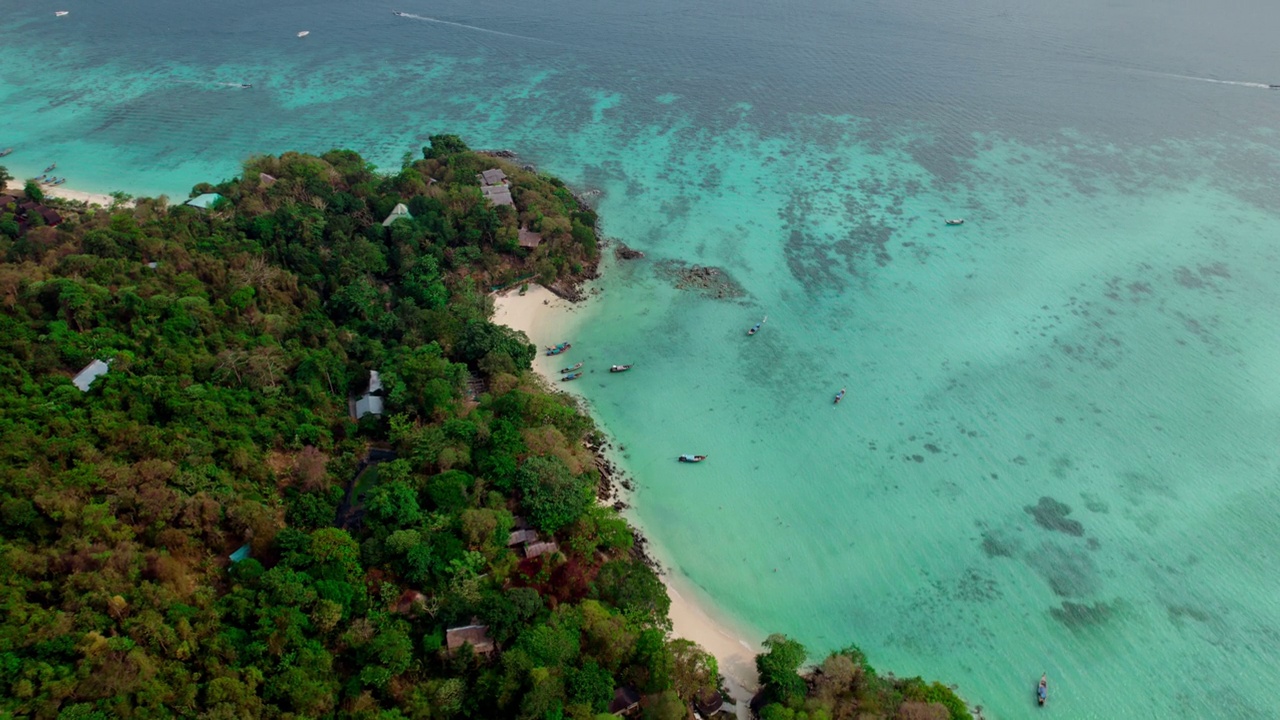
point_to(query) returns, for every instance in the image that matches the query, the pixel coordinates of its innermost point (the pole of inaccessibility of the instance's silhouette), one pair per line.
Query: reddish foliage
(570, 581)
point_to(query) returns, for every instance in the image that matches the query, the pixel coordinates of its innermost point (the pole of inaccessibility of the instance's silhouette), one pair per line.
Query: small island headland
(277, 453)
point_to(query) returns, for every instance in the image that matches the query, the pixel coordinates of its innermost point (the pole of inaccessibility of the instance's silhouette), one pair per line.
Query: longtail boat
(839, 396)
(572, 376)
(571, 368)
(691, 458)
(756, 328)
(619, 368)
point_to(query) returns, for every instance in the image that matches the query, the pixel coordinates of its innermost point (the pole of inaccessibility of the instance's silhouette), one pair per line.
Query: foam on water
(1057, 452)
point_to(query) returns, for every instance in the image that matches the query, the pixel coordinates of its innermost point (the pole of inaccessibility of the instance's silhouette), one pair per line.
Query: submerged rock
(712, 282)
(625, 253)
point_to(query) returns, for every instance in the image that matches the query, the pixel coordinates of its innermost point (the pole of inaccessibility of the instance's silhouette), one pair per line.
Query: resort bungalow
(370, 403)
(498, 194)
(492, 177)
(399, 211)
(625, 701)
(521, 537)
(6, 201)
(529, 239)
(477, 636)
(535, 549)
(205, 201)
(91, 372)
(49, 215)
(493, 183)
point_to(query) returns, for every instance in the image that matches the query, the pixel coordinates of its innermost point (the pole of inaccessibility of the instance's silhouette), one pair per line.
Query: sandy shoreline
(62, 192)
(548, 319)
(89, 198)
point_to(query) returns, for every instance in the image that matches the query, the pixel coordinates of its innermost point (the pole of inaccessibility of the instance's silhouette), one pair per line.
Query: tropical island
(265, 454)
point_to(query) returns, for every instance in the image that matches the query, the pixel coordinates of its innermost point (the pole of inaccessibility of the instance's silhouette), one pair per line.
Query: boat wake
(1237, 83)
(424, 18)
(213, 83)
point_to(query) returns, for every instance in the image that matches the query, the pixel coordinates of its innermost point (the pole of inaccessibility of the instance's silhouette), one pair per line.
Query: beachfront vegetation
(223, 421)
(5, 177)
(845, 686)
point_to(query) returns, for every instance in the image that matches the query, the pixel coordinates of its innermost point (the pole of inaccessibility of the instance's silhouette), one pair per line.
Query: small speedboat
(304, 33)
(956, 221)
(619, 368)
(571, 368)
(691, 458)
(50, 168)
(1042, 692)
(571, 376)
(5, 151)
(1274, 87)
(60, 13)
(246, 85)
(756, 328)
(839, 396)
(397, 13)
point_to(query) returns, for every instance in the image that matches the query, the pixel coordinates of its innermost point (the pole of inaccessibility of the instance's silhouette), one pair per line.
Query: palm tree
(5, 177)
(33, 192)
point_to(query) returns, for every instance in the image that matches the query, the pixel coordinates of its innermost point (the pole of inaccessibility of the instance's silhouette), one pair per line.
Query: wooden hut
(477, 636)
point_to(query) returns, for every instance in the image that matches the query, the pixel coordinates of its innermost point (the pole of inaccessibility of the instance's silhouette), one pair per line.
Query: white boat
(304, 33)
(60, 13)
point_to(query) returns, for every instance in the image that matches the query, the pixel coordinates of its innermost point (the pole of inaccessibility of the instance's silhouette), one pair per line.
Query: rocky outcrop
(712, 282)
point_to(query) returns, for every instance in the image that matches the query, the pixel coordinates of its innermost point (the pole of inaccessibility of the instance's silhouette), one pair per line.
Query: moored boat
(5, 151)
(571, 376)
(691, 458)
(50, 168)
(619, 368)
(756, 328)
(571, 368)
(59, 181)
(839, 396)
(558, 348)
(60, 13)
(956, 221)
(304, 33)
(1042, 692)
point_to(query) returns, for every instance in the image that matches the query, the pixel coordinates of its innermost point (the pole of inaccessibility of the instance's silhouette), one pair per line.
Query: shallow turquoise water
(1101, 332)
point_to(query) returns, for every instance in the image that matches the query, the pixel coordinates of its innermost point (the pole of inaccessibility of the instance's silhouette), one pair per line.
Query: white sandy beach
(548, 319)
(89, 198)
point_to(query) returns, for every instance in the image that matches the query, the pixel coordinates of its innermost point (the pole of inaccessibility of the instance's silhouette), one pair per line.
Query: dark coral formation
(1081, 615)
(1051, 514)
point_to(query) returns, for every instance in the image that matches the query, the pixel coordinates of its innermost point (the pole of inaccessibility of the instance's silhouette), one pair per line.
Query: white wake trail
(1237, 83)
(424, 18)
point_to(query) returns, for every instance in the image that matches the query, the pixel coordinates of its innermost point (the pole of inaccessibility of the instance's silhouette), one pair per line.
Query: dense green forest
(445, 558)
(844, 687)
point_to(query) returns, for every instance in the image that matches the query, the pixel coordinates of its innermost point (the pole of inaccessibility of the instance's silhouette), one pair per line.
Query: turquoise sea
(1059, 450)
